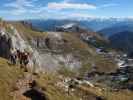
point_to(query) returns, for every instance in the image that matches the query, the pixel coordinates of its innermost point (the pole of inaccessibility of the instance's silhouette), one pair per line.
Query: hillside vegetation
(8, 77)
(27, 30)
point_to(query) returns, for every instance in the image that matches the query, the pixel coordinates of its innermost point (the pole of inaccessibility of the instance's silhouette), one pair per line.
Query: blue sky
(62, 9)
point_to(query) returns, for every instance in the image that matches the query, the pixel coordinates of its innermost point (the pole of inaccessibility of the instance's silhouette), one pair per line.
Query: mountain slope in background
(117, 28)
(123, 41)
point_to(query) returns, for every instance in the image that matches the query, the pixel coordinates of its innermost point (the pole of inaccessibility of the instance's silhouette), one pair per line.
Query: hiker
(13, 56)
(19, 54)
(9, 42)
(47, 42)
(24, 59)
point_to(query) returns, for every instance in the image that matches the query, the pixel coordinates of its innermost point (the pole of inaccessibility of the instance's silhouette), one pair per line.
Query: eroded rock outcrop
(5, 45)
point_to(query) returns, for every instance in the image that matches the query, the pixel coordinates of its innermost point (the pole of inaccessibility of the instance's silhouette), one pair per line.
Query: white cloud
(19, 7)
(4, 12)
(67, 0)
(13, 5)
(52, 9)
(19, 11)
(67, 5)
(80, 15)
(19, 3)
(108, 5)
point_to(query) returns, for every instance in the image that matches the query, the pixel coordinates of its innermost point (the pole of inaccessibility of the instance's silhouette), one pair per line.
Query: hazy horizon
(65, 9)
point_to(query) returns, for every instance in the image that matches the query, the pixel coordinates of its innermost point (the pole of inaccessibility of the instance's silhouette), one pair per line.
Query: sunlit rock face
(52, 54)
(21, 44)
(17, 41)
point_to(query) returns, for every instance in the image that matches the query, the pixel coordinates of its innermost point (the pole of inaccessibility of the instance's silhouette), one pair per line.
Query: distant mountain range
(93, 24)
(117, 28)
(118, 31)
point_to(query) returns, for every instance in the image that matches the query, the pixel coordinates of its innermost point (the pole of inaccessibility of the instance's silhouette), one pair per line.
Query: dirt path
(22, 85)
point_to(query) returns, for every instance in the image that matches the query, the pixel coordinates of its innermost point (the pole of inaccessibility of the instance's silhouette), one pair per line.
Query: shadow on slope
(34, 94)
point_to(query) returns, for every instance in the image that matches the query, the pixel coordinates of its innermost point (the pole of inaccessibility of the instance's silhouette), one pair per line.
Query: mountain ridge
(94, 24)
(123, 41)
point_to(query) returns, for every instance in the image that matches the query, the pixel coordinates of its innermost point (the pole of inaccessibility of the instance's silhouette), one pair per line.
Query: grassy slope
(88, 54)
(109, 95)
(47, 82)
(27, 31)
(52, 92)
(8, 76)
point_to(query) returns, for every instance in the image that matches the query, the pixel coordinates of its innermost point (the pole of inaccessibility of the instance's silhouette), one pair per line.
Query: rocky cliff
(5, 45)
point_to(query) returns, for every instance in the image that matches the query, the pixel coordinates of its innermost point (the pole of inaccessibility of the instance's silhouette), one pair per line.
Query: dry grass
(52, 92)
(104, 64)
(8, 76)
(27, 31)
(107, 94)
(122, 95)
(77, 44)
